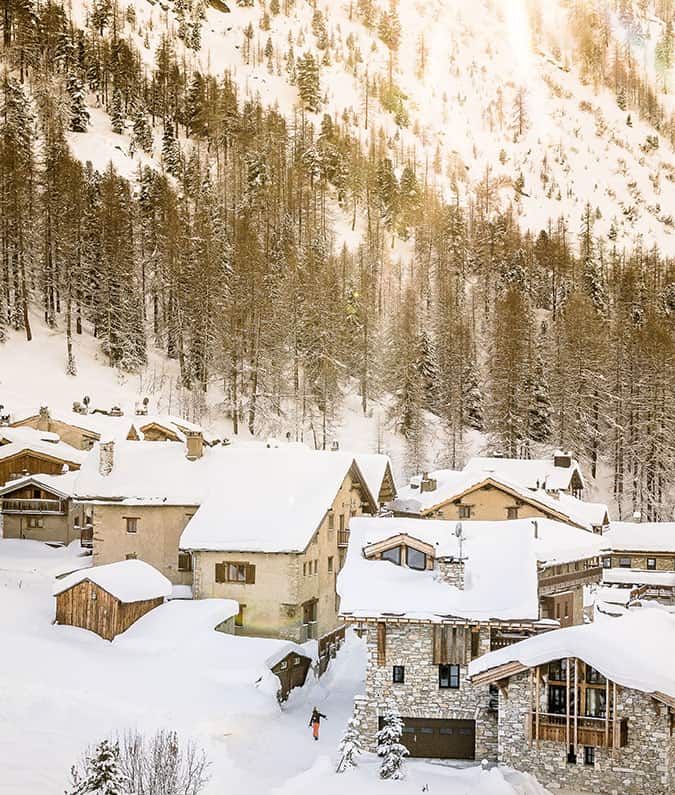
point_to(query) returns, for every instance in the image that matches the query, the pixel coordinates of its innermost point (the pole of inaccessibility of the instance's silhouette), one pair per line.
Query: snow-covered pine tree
(171, 153)
(540, 411)
(472, 397)
(427, 368)
(350, 746)
(308, 81)
(79, 115)
(117, 112)
(387, 192)
(389, 745)
(142, 131)
(101, 773)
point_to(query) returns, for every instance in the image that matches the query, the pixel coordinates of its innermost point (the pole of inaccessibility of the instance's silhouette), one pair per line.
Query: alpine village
(337, 397)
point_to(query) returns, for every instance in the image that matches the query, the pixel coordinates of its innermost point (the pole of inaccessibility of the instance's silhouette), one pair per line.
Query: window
(235, 572)
(589, 755)
(304, 569)
(131, 556)
(283, 665)
(316, 567)
(342, 521)
(330, 565)
(512, 512)
(34, 522)
(448, 676)
(398, 676)
(606, 563)
(475, 643)
(651, 563)
(239, 618)
(37, 494)
(393, 555)
(557, 670)
(296, 661)
(184, 561)
(557, 699)
(594, 677)
(331, 520)
(132, 524)
(465, 512)
(571, 756)
(416, 559)
(596, 702)
(624, 563)
(93, 594)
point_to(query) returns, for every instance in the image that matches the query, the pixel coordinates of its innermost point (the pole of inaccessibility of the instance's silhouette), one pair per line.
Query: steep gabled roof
(375, 467)
(533, 473)
(57, 451)
(59, 485)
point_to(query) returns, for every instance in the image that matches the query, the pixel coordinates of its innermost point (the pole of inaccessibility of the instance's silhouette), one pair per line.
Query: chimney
(43, 420)
(335, 445)
(195, 445)
(562, 460)
(536, 528)
(106, 458)
(452, 571)
(427, 483)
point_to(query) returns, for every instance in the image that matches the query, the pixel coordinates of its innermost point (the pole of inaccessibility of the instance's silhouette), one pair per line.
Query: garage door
(439, 739)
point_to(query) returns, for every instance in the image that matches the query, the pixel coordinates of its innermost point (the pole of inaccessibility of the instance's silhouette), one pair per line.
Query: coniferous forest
(226, 254)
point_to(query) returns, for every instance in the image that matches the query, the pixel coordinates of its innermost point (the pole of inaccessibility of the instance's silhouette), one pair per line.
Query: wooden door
(434, 738)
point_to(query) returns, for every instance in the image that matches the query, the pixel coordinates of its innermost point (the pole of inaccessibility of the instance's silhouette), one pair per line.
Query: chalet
(590, 707)
(75, 430)
(376, 470)
(166, 428)
(561, 473)
(640, 557)
(41, 508)
(448, 494)
(24, 451)
(430, 596)
(107, 600)
(271, 535)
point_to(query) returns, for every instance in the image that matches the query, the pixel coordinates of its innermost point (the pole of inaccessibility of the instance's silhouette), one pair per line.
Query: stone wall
(411, 645)
(642, 766)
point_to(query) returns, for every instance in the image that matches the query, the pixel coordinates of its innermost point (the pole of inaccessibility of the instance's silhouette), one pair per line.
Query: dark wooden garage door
(440, 739)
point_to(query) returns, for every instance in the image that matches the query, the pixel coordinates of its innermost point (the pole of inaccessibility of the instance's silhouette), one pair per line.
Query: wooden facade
(32, 463)
(292, 672)
(89, 606)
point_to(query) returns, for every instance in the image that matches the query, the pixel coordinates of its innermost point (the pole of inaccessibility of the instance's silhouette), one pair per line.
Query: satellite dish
(458, 529)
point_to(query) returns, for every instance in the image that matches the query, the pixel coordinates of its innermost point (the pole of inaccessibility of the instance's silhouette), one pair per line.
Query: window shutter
(381, 643)
(437, 640)
(455, 646)
(250, 575)
(220, 572)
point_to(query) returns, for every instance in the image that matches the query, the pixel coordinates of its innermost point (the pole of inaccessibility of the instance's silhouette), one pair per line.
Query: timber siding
(88, 606)
(81, 438)
(59, 520)
(32, 463)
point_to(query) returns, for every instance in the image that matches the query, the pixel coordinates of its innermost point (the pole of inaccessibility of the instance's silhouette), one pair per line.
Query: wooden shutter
(381, 643)
(455, 646)
(250, 574)
(442, 638)
(220, 572)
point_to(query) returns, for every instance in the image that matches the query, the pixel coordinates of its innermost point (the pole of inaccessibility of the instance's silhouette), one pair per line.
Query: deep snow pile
(62, 689)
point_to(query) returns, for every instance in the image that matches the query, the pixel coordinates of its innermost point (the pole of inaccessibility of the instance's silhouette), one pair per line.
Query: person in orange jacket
(315, 722)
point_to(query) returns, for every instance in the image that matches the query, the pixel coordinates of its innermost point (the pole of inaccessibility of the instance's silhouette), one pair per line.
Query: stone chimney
(562, 459)
(43, 419)
(106, 458)
(335, 445)
(427, 483)
(452, 571)
(195, 445)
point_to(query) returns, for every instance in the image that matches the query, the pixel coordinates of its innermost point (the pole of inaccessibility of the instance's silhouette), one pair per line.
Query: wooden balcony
(343, 538)
(33, 506)
(596, 732)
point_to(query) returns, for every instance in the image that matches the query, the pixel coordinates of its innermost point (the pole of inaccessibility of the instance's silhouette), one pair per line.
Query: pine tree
(472, 397)
(308, 80)
(79, 115)
(117, 112)
(387, 192)
(389, 745)
(350, 747)
(540, 410)
(142, 131)
(171, 153)
(101, 773)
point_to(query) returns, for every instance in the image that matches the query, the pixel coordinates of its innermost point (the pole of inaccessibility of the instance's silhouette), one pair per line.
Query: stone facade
(644, 765)
(419, 696)
(665, 561)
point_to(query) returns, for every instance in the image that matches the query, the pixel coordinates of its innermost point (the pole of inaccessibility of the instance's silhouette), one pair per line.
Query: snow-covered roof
(26, 434)
(61, 485)
(373, 467)
(533, 473)
(450, 484)
(594, 513)
(270, 500)
(630, 577)
(147, 473)
(501, 580)
(36, 444)
(642, 536)
(635, 650)
(126, 580)
(174, 425)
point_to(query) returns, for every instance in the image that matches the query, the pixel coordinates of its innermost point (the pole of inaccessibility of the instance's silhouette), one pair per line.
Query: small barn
(108, 599)
(290, 667)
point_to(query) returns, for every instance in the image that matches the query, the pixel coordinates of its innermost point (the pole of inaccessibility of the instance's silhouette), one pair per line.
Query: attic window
(464, 511)
(512, 512)
(416, 559)
(393, 555)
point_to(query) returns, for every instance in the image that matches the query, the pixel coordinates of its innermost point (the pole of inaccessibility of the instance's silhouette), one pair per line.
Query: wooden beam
(614, 742)
(536, 673)
(606, 713)
(493, 675)
(529, 716)
(576, 703)
(567, 705)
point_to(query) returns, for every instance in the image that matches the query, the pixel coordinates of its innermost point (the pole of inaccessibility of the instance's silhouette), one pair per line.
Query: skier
(314, 722)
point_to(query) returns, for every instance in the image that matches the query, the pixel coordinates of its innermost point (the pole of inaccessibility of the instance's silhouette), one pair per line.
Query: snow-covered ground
(62, 689)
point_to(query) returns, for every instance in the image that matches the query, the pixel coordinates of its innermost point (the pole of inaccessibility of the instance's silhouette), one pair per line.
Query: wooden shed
(291, 670)
(108, 599)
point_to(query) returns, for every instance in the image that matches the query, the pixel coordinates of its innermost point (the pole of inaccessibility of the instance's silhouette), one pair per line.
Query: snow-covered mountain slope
(492, 113)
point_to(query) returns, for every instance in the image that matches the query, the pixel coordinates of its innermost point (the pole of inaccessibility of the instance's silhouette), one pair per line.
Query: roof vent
(335, 445)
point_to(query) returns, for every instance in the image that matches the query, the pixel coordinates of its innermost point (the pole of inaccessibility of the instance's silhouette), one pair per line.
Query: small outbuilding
(108, 599)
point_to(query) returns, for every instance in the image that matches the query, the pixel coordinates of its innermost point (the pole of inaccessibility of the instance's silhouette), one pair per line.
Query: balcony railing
(33, 506)
(596, 732)
(343, 538)
(87, 537)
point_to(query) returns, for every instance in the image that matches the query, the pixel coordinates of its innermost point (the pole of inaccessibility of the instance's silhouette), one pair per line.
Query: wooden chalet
(77, 433)
(108, 599)
(28, 452)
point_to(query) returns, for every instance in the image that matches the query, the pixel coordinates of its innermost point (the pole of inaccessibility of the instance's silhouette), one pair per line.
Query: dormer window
(416, 559)
(393, 555)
